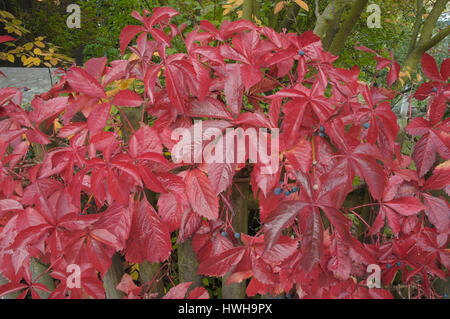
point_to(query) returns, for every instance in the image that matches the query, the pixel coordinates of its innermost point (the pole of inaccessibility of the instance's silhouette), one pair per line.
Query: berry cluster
(283, 189)
(236, 235)
(398, 264)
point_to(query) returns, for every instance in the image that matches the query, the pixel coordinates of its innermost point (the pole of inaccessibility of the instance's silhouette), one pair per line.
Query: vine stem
(126, 118)
(365, 205)
(362, 219)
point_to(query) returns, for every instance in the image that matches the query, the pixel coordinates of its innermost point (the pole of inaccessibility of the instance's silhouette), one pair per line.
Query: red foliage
(328, 136)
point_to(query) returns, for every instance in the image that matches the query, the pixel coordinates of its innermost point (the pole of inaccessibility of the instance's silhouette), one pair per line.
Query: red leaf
(406, 206)
(170, 210)
(7, 205)
(162, 14)
(219, 265)
(418, 126)
(179, 291)
(10, 288)
(126, 284)
(127, 98)
(150, 238)
(220, 176)
(190, 223)
(312, 241)
(43, 110)
(98, 118)
(425, 153)
(279, 219)
(438, 212)
(430, 68)
(233, 88)
(300, 157)
(172, 90)
(393, 73)
(127, 34)
(83, 82)
(96, 67)
(198, 293)
(6, 38)
(201, 194)
(440, 178)
(209, 107)
(445, 69)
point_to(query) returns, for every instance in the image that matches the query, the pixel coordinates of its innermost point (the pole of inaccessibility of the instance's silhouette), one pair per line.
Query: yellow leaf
(226, 11)
(279, 6)
(23, 58)
(39, 44)
(257, 21)
(48, 65)
(28, 46)
(36, 61)
(11, 58)
(28, 60)
(133, 57)
(37, 51)
(302, 4)
(405, 74)
(418, 77)
(57, 125)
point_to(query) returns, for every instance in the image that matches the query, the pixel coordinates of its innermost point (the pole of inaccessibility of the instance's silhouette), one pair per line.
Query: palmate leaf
(201, 195)
(150, 237)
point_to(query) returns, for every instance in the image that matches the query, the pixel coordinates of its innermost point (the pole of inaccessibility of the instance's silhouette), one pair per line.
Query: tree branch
(247, 10)
(417, 25)
(347, 26)
(436, 39)
(430, 22)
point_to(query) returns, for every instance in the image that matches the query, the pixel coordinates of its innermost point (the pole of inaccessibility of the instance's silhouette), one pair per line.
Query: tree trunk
(240, 224)
(329, 18)
(334, 26)
(347, 26)
(247, 10)
(148, 273)
(112, 278)
(188, 265)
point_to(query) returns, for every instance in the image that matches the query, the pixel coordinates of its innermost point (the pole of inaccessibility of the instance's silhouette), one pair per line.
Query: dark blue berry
(301, 53)
(366, 125)
(322, 129)
(399, 263)
(278, 191)
(287, 193)
(445, 295)
(237, 235)
(224, 234)
(294, 189)
(26, 89)
(435, 89)
(288, 296)
(388, 266)
(321, 134)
